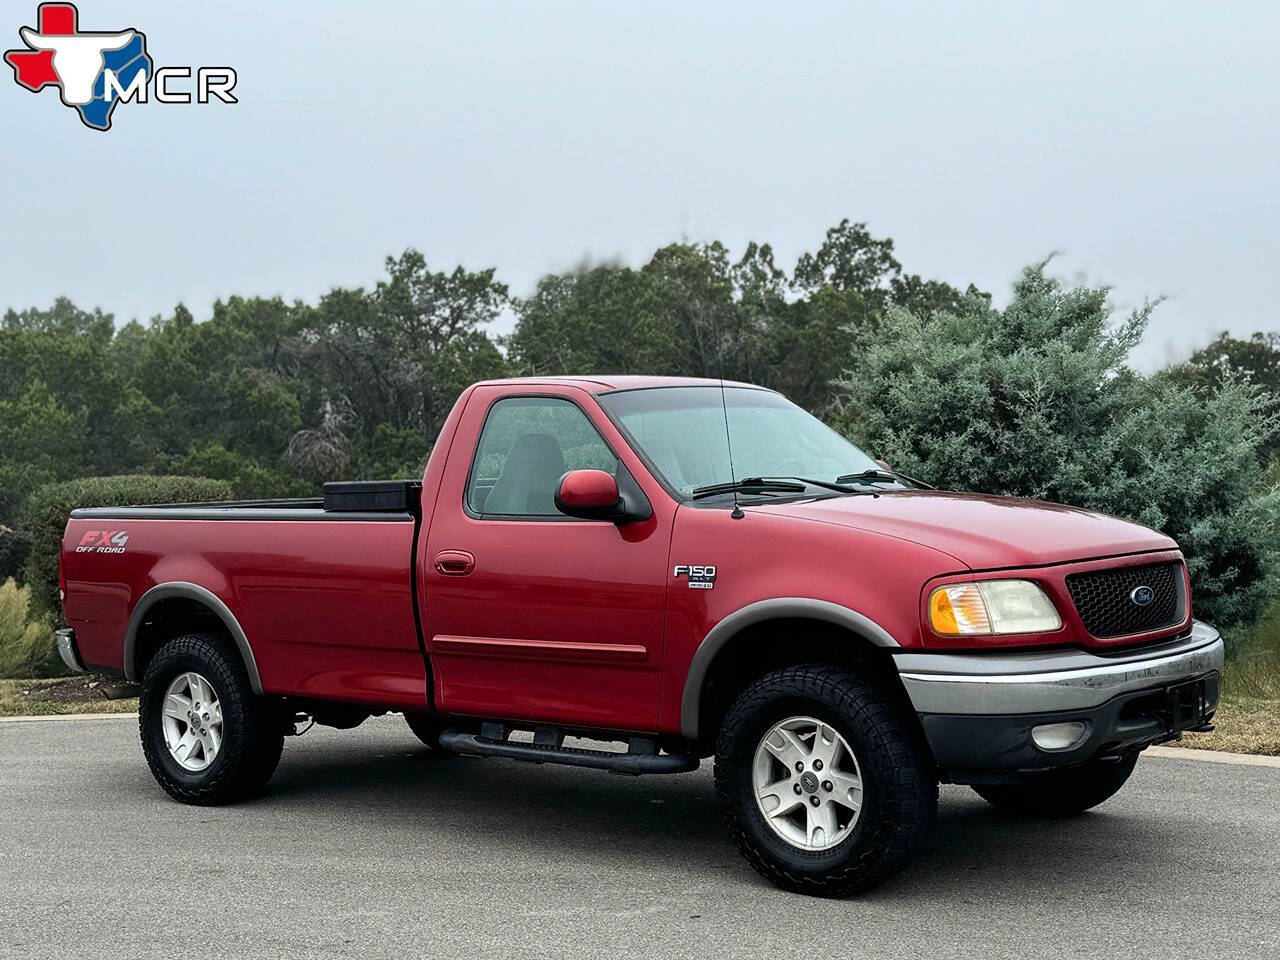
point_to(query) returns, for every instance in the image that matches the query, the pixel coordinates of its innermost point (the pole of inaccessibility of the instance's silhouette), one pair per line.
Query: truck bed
(326, 597)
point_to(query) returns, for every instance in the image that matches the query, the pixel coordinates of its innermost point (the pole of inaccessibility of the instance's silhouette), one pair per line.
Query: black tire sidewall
(900, 789)
(741, 761)
(151, 713)
(252, 729)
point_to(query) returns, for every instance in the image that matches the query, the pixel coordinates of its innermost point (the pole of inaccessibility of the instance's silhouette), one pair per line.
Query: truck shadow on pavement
(439, 803)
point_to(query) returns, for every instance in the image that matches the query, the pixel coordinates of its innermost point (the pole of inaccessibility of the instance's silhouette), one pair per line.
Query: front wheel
(1062, 796)
(822, 788)
(207, 738)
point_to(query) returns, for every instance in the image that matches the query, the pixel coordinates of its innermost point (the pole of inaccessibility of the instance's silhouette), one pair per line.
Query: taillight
(62, 581)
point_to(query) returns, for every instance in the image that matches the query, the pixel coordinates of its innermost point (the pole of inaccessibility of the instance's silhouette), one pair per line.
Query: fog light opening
(1059, 736)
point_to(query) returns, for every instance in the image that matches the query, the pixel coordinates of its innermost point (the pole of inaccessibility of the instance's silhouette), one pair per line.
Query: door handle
(454, 563)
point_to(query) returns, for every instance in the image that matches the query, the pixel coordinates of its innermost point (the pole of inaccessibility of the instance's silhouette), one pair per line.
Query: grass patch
(84, 694)
(1248, 718)
(1244, 725)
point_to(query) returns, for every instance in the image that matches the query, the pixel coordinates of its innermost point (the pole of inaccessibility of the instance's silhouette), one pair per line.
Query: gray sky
(1139, 140)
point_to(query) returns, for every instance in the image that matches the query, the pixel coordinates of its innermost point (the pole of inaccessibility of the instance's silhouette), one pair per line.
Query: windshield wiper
(747, 485)
(838, 487)
(881, 476)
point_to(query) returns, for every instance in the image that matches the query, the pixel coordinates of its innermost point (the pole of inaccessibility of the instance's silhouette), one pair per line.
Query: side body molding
(778, 608)
(187, 591)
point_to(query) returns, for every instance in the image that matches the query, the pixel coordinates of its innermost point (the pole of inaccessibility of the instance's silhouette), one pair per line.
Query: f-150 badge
(699, 577)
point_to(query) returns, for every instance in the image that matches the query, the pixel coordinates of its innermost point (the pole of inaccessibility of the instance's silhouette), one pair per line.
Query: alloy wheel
(807, 783)
(192, 722)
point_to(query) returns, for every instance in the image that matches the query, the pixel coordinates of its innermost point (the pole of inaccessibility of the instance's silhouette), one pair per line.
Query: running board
(642, 754)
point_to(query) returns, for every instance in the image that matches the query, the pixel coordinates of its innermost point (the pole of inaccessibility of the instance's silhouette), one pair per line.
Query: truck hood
(983, 532)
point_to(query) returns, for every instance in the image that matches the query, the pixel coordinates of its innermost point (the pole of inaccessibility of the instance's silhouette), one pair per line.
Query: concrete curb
(70, 716)
(1213, 756)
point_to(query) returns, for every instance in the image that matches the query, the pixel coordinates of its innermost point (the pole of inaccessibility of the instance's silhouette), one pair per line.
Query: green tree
(1255, 360)
(400, 354)
(231, 380)
(845, 289)
(40, 441)
(1036, 400)
(589, 320)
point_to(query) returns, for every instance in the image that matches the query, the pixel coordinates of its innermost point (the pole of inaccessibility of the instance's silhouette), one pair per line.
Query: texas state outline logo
(96, 70)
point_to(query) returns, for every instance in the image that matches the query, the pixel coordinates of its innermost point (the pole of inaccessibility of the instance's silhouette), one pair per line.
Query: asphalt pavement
(368, 845)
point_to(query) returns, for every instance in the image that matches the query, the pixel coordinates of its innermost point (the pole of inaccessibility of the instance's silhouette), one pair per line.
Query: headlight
(991, 606)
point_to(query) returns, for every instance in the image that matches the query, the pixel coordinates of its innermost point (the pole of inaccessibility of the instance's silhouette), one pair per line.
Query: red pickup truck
(679, 569)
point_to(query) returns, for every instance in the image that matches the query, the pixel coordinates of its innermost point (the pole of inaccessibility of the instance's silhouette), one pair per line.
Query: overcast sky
(1138, 140)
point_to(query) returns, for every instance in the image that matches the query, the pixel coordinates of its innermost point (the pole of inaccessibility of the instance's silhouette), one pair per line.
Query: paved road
(368, 846)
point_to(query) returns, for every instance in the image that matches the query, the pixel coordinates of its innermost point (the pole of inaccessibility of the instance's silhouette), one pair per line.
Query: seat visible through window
(526, 446)
(529, 476)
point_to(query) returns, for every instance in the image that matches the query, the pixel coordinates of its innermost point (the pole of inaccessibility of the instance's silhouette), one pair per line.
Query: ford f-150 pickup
(676, 569)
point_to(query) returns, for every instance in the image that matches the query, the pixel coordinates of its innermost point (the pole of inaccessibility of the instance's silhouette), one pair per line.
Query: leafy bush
(1036, 400)
(26, 646)
(44, 517)
(249, 479)
(13, 552)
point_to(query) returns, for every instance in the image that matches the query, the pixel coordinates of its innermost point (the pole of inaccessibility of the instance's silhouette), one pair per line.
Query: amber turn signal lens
(958, 610)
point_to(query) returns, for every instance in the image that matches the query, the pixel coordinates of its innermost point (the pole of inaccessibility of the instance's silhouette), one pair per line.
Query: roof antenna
(737, 513)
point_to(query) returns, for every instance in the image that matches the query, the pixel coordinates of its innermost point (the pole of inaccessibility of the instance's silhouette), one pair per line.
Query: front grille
(1102, 598)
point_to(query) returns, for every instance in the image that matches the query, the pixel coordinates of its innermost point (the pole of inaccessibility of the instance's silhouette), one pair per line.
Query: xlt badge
(701, 577)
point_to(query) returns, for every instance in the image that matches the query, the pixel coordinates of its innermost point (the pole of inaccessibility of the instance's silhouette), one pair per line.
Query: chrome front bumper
(1016, 683)
(67, 649)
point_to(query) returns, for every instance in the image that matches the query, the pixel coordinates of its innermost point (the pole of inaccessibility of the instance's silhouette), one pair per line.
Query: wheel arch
(167, 606)
(841, 633)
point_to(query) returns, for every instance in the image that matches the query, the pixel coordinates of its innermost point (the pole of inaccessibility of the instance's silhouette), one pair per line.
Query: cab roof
(603, 383)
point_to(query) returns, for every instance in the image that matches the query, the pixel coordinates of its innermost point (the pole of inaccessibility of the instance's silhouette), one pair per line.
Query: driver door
(532, 615)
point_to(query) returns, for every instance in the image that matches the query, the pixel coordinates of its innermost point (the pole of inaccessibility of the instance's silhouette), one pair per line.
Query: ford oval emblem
(1142, 596)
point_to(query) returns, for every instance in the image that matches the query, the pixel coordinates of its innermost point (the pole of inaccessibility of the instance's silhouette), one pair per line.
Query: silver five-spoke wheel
(192, 721)
(807, 783)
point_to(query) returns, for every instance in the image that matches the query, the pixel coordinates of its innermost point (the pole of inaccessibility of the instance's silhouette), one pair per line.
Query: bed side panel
(326, 605)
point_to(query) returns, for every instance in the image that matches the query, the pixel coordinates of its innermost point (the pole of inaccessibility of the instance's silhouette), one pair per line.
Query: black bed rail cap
(392, 496)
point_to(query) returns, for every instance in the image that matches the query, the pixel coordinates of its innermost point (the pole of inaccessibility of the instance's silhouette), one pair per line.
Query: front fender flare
(778, 608)
(187, 591)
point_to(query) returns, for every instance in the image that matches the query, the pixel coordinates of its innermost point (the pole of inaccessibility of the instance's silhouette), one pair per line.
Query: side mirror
(884, 466)
(593, 495)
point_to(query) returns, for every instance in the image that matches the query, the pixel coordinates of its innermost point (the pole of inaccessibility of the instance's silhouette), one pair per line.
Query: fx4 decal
(103, 541)
(700, 577)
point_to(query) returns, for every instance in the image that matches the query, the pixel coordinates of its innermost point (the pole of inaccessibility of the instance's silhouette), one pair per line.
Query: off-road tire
(900, 796)
(252, 728)
(1062, 796)
(427, 728)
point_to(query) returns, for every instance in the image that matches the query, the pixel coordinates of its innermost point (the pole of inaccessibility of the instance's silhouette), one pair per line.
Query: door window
(526, 446)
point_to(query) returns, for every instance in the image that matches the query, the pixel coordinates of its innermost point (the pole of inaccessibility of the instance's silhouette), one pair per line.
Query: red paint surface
(573, 621)
(588, 488)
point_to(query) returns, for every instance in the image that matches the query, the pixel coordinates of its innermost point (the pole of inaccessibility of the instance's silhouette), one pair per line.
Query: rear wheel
(1062, 796)
(822, 788)
(207, 737)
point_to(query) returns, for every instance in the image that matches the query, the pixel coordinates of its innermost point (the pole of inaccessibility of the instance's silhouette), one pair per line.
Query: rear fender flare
(188, 591)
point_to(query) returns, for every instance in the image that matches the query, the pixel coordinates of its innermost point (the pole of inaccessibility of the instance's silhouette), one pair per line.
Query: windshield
(681, 431)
